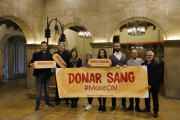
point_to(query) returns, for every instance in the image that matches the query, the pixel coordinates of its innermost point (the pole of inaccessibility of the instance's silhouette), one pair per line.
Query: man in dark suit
(65, 56)
(118, 59)
(42, 75)
(154, 72)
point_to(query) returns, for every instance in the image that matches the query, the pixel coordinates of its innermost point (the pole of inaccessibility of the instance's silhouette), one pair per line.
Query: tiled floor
(14, 104)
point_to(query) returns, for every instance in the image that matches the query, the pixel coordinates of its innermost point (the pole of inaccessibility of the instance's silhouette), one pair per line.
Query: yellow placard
(44, 64)
(99, 62)
(59, 60)
(102, 82)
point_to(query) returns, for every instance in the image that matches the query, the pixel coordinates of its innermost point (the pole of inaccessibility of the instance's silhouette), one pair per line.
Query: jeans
(40, 80)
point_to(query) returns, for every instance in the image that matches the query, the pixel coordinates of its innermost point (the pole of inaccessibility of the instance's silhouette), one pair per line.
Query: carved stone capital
(166, 43)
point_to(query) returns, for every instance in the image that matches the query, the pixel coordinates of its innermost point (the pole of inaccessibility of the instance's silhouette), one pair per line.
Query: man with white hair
(154, 73)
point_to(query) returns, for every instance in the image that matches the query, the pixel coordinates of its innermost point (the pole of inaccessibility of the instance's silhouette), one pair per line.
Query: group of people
(118, 60)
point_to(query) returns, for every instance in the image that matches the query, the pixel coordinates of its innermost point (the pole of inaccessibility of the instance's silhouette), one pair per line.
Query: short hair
(72, 50)
(116, 42)
(134, 49)
(150, 52)
(61, 43)
(105, 54)
(43, 42)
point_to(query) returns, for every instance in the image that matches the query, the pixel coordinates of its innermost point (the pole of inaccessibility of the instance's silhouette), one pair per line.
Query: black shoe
(138, 109)
(100, 108)
(104, 108)
(145, 110)
(124, 108)
(49, 104)
(155, 115)
(67, 102)
(37, 107)
(57, 103)
(112, 108)
(72, 105)
(130, 108)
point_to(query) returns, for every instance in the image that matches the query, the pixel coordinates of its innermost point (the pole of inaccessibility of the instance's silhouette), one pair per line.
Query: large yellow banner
(102, 82)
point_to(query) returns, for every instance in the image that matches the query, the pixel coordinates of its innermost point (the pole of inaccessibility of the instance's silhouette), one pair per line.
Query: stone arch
(22, 21)
(73, 22)
(161, 22)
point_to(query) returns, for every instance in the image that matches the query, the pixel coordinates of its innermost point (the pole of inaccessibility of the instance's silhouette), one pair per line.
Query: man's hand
(32, 65)
(149, 87)
(125, 66)
(117, 66)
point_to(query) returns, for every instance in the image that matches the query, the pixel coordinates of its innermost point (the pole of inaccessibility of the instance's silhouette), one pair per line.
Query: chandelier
(136, 30)
(84, 34)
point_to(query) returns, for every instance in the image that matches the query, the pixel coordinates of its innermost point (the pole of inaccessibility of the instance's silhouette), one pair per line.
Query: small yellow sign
(44, 64)
(99, 62)
(59, 60)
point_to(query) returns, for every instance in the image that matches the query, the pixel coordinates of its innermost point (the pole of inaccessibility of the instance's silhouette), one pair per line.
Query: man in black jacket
(42, 75)
(154, 72)
(65, 56)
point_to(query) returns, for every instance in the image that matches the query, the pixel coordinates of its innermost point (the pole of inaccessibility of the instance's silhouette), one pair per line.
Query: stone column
(10, 60)
(108, 46)
(171, 68)
(31, 48)
(1, 66)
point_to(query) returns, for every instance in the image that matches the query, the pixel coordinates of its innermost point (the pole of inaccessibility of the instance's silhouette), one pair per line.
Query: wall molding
(166, 43)
(102, 45)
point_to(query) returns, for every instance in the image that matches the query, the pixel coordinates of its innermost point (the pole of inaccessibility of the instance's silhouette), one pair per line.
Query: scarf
(73, 62)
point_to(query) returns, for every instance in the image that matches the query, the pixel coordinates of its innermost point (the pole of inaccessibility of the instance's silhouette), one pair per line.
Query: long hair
(105, 54)
(73, 51)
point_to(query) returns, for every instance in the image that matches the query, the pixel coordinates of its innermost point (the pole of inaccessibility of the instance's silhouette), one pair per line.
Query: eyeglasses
(117, 46)
(149, 55)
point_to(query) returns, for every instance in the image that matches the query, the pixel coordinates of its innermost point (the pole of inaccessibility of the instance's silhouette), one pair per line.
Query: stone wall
(103, 17)
(28, 14)
(172, 69)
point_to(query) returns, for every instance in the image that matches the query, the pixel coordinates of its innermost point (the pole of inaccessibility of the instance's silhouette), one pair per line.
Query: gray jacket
(115, 61)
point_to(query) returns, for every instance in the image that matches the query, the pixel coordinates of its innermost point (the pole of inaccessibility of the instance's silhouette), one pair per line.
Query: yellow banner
(44, 64)
(102, 82)
(99, 62)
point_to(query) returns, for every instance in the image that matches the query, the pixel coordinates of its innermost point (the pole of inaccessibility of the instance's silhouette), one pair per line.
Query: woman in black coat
(74, 62)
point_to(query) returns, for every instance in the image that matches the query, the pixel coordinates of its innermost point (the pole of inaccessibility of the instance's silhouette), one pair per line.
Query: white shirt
(118, 55)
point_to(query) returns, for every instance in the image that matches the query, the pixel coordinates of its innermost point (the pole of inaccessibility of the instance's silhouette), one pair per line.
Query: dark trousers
(74, 100)
(100, 101)
(40, 80)
(57, 94)
(90, 99)
(132, 102)
(155, 100)
(114, 101)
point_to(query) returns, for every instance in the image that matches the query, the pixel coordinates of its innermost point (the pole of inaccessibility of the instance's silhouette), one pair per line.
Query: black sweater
(37, 56)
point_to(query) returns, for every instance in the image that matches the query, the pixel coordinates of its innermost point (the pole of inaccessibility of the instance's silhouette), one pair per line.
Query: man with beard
(65, 56)
(42, 75)
(118, 59)
(134, 61)
(154, 72)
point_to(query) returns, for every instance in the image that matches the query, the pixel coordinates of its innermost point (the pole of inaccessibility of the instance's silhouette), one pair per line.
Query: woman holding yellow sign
(102, 55)
(74, 62)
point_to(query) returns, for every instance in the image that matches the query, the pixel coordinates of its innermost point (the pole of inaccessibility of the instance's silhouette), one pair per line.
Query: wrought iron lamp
(136, 30)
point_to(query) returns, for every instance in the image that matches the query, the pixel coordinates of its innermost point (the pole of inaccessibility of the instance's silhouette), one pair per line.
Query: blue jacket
(154, 74)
